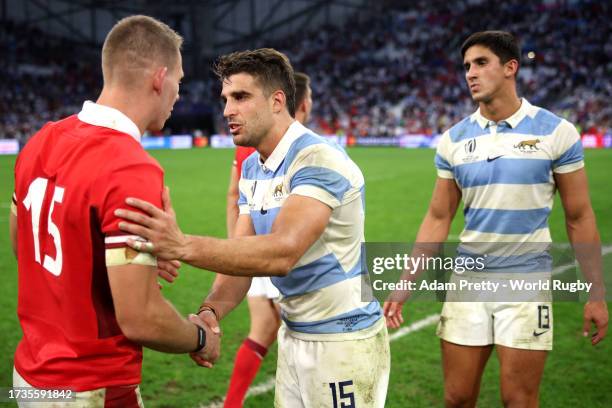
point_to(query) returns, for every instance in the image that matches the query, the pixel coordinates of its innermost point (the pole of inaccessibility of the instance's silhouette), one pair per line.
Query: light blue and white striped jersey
(505, 173)
(321, 296)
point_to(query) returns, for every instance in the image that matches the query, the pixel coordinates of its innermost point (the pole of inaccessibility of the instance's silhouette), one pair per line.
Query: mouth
(234, 128)
(474, 87)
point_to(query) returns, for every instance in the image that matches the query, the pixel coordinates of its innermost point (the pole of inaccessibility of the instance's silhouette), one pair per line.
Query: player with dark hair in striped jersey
(302, 222)
(505, 161)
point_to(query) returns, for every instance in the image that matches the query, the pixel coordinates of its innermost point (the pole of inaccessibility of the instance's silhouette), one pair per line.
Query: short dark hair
(302, 83)
(501, 43)
(270, 67)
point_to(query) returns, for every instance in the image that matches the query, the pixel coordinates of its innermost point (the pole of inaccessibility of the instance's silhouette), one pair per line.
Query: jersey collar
(280, 151)
(526, 109)
(105, 116)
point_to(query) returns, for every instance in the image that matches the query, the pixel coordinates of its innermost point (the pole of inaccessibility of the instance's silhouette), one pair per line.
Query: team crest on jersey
(528, 145)
(470, 148)
(278, 192)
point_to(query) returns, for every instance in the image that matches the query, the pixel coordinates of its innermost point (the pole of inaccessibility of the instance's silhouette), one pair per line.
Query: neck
(128, 103)
(300, 117)
(274, 136)
(500, 107)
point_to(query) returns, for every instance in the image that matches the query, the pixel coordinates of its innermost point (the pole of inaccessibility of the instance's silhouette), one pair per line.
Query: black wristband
(201, 339)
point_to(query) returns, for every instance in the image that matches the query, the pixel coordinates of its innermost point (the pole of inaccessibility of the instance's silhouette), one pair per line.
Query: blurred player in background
(87, 302)
(302, 222)
(263, 311)
(506, 161)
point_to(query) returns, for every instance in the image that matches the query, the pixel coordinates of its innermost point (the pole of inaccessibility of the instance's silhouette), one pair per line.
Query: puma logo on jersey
(278, 192)
(532, 144)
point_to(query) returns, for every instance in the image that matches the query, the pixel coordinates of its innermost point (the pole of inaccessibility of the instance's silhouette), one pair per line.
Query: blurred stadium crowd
(393, 73)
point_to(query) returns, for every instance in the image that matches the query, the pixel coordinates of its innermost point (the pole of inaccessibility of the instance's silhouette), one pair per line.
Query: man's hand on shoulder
(158, 227)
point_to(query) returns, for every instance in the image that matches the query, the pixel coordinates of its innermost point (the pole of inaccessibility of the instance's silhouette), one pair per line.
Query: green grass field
(399, 185)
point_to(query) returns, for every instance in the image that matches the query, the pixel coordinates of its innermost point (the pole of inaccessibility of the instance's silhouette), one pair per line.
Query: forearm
(227, 293)
(432, 234)
(13, 232)
(262, 255)
(164, 329)
(583, 234)
(231, 217)
(231, 210)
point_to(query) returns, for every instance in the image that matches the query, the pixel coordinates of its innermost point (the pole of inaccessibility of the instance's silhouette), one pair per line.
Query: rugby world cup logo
(470, 146)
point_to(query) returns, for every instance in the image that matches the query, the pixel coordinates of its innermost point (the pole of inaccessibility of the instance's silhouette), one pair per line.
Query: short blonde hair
(134, 44)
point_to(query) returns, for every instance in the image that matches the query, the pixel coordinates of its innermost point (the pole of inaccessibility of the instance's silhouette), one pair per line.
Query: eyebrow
(236, 94)
(477, 59)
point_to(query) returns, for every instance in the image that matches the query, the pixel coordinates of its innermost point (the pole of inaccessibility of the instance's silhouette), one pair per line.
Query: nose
(472, 72)
(228, 110)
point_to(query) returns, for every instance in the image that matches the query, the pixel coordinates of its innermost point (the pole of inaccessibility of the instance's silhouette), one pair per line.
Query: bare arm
(584, 236)
(13, 232)
(300, 222)
(231, 212)
(228, 291)
(298, 225)
(442, 208)
(145, 317)
(432, 232)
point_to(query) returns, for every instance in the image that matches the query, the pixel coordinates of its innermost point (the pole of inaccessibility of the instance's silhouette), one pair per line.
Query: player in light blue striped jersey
(505, 161)
(301, 221)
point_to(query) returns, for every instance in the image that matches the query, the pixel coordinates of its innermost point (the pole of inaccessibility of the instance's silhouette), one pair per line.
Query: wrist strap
(208, 306)
(201, 339)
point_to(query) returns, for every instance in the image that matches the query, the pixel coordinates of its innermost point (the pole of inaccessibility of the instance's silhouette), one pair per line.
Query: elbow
(232, 198)
(134, 328)
(282, 266)
(578, 220)
(289, 256)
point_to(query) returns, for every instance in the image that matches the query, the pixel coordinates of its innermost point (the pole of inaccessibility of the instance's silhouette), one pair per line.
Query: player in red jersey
(88, 303)
(264, 313)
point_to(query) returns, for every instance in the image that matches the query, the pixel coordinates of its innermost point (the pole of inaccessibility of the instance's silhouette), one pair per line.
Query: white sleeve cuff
(317, 193)
(568, 168)
(445, 174)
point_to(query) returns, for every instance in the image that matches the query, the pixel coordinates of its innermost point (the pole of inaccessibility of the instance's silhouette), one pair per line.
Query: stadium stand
(393, 73)
(400, 71)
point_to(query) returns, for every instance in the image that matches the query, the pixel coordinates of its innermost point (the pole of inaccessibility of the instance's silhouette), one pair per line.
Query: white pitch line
(416, 326)
(606, 250)
(268, 385)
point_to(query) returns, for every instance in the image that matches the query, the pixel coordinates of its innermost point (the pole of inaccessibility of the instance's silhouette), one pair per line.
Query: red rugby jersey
(69, 179)
(242, 153)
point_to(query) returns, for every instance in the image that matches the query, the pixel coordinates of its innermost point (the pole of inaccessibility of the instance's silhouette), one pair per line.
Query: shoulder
(541, 122)
(465, 129)
(315, 148)
(42, 142)
(250, 163)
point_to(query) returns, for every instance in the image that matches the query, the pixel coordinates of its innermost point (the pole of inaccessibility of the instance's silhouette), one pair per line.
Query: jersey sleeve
(568, 151)
(143, 181)
(442, 159)
(325, 174)
(243, 191)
